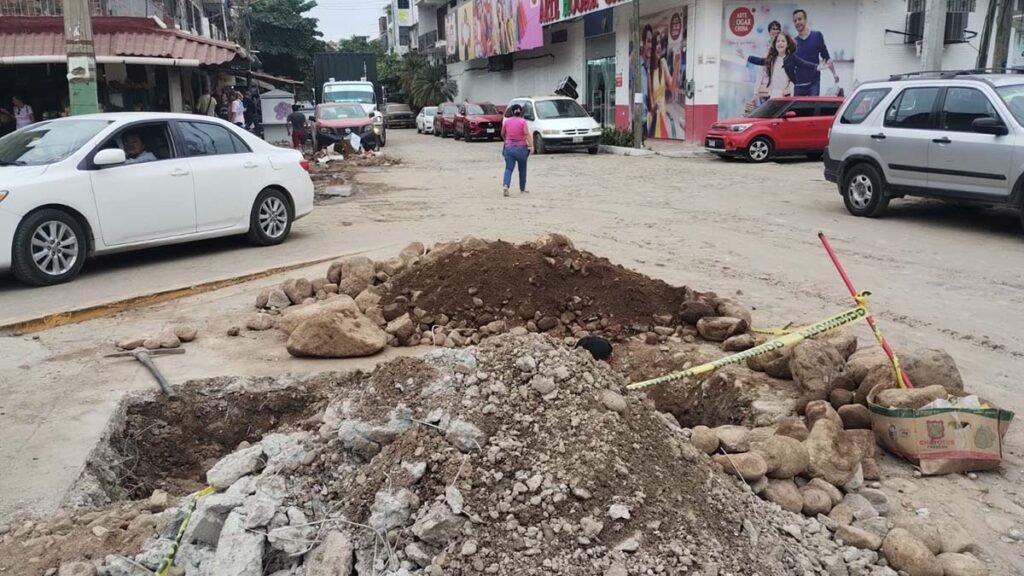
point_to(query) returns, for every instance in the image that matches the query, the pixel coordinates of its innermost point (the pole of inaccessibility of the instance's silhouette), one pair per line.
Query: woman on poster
(780, 69)
(662, 84)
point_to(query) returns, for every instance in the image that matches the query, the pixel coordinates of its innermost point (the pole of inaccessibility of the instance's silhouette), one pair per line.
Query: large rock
(816, 502)
(820, 409)
(292, 317)
(834, 494)
(853, 536)
(276, 298)
(862, 361)
(438, 526)
(924, 530)
(931, 367)
(784, 457)
(794, 427)
(910, 397)
(336, 335)
(749, 466)
(359, 267)
(413, 251)
(332, 557)
(234, 466)
(739, 343)
(704, 439)
(905, 552)
(954, 564)
(239, 551)
(842, 340)
(297, 289)
(785, 494)
(392, 509)
(368, 298)
(730, 309)
(733, 439)
(402, 328)
(816, 367)
(692, 311)
(832, 454)
(855, 417)
(552, 245)
(880, 376)
(353, 286)
(720, 328)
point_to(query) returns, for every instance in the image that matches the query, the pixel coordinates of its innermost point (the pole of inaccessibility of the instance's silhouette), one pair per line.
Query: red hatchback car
(789, 126)
(444, 119)
(478, 120)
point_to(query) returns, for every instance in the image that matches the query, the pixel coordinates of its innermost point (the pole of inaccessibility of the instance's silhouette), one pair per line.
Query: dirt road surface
(941, 276)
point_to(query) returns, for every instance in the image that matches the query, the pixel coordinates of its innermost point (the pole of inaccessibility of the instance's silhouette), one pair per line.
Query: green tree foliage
(286, 40)
(361, 44)
(428, 85)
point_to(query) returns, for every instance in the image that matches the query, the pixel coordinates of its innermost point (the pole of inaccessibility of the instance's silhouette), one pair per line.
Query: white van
(558, 123)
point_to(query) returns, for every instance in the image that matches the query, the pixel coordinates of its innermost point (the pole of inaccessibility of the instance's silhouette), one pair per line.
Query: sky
(345, 18)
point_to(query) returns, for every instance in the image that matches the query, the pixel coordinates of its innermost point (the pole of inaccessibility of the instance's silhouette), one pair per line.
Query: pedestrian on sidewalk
(296, 124)
(518, 147)
(237, 110)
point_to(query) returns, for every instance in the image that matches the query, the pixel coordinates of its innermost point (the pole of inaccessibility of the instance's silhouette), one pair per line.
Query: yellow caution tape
(168, 561)
(795, 337)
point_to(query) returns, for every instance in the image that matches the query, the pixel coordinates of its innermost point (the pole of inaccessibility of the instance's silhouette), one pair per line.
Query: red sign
(618, 80)
(675, 27)
(741, 21)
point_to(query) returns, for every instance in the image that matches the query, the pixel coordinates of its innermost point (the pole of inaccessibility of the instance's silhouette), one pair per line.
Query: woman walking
(237, 110)
(516, 135)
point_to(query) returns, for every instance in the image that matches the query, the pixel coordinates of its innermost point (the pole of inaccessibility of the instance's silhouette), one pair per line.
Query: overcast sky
(344, 18)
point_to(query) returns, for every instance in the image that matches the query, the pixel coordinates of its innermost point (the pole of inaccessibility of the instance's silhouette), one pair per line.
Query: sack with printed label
(942, 440)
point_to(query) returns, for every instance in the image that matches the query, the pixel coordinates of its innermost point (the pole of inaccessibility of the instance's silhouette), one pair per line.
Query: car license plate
(490, 130)
(577, 139)
(712, 143)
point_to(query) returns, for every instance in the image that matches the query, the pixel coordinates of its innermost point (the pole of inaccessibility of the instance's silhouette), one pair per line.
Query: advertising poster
(466, 32)
(531, 34)
(451, 29)
(558, 10)
(663, 73)
(483, 29)
(772, 49)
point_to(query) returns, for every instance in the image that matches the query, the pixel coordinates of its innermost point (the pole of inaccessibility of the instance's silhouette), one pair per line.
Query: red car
(789, 126)
(478, 120)
(336, 122)
(444, 119)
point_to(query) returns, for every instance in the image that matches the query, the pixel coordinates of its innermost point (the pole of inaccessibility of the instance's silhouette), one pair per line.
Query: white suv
(558, 123)
(953, 136)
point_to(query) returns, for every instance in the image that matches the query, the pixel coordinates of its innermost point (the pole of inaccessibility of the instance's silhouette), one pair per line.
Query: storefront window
(601, 90)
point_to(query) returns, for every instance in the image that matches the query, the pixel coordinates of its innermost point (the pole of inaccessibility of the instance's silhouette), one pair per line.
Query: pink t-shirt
(516, 131)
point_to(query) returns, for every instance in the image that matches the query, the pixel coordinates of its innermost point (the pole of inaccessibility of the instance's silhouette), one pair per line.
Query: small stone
(186, 332)
(469, 548)
(543, 385)
(99, 531)
(613, 401)
(590, 526)
(234, 331)
(618, 512)
(261, 322)
(130, 343)
(853, 536)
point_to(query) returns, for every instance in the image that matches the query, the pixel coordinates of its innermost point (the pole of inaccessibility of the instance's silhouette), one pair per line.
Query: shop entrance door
(601, 90)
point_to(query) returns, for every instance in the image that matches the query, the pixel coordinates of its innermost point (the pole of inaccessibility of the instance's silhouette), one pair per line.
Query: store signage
(553, 11)
(741, 21)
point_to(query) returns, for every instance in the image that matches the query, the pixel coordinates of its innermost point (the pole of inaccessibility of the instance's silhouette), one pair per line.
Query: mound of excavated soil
(546, 289)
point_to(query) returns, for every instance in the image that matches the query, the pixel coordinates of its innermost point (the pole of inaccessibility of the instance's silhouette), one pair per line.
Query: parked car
(425, 120)
(336, 122)
(86, 185)
(477, 120)
(953, 136)
(501, 108)
(399, 116)
(558, 123)
(444, 119)
(789, 126)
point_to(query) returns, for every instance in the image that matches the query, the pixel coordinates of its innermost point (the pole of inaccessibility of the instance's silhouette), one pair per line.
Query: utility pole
(81, 57)
(247, 19)
(636, 92)
(934, 39)
(1001, 50)
(986, 36)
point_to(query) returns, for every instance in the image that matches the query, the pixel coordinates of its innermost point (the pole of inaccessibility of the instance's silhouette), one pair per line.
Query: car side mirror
(989, 125)
(790, 114)
(109, 157)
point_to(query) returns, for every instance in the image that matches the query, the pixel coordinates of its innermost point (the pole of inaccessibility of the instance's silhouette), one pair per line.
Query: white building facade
(702, 58)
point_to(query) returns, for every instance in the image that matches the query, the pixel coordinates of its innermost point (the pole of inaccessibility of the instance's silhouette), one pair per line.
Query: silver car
(954, 136)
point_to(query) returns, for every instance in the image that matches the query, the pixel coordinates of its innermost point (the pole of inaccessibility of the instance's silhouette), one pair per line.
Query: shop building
(702, 59)
(151, 55)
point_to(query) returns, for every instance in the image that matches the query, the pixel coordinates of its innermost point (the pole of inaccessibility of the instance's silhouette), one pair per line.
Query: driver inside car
(135, 149)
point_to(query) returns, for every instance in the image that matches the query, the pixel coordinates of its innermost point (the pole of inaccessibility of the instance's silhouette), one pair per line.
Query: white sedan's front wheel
(271, 218)
(49, 248)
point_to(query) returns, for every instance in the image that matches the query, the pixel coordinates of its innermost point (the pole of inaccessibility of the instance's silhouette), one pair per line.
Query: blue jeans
(515, 155)
(812, 89)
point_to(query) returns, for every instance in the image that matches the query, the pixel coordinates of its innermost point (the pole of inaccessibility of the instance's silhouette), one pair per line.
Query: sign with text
(553, 11)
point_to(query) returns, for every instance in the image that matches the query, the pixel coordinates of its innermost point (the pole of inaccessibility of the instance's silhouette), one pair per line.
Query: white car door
(145, 199)
(226, 172)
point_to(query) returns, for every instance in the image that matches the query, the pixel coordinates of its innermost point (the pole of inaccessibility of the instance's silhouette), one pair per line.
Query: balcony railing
(143, 8)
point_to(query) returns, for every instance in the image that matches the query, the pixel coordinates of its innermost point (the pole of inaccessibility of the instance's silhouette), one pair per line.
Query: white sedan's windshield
(551, 109)
(47, 142)
(1013, 96)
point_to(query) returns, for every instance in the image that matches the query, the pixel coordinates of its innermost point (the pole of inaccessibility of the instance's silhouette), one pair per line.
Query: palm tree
(430, 85)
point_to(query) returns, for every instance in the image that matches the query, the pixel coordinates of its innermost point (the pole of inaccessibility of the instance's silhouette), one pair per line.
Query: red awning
(113, 36)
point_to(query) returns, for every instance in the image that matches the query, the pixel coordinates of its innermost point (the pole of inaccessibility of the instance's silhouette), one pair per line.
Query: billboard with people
(773, 49)
(663, 73)
(484, 28)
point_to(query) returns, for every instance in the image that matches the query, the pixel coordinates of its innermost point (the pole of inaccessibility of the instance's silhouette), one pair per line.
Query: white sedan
(425, 120)
(96, 184)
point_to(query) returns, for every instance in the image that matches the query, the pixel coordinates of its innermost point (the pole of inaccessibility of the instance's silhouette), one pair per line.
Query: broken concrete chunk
(392, 509)
(465, 436)
(239, 551)
(234, 466)
(332, 557)
(438, 526)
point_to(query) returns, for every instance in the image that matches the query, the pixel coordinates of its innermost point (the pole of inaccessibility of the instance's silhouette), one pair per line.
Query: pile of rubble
(170, 337)
(518, 456)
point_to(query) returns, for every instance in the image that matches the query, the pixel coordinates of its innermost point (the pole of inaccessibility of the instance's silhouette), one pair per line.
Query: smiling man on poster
(810, 46)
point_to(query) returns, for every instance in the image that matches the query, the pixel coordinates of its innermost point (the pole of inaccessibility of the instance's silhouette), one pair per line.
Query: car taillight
(305, 164)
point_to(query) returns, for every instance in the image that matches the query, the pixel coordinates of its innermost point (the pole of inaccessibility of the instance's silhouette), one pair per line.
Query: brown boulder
(841, 514)
(369, 297)
(832, 455)
(785, 494)
(834, 494)
(402, 328)
(785, 457)
(815, 502)
(815, 367)
(793, 427)
(930, 367)
(336, 335)
(843, 341)
(748, 466)
(924, 530)
(905, 552)
(730, 309)
(738, 343)
(353, 285)
(693, 310)
(954, 564)
(553, 245)
(858, 537)
(910, 397)
(862, 361)
(720, 328)
(879, 376)
(295, 315)
(855, 417)
(412, 251)
(297, 289)
(820, 409)
(840, 397)
(733, 439)
(704, 439)
(355, 267)
(871, 469)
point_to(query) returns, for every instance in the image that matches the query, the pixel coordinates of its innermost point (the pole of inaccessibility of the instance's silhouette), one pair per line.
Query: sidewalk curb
(623, 151)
